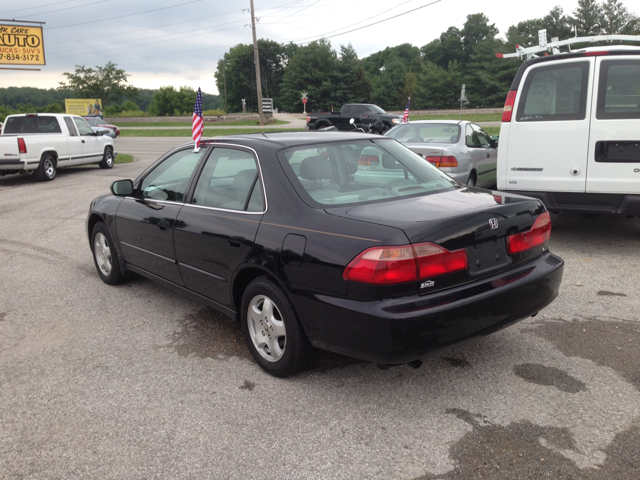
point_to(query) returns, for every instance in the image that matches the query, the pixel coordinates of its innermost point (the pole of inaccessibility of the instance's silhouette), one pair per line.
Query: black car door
(145, 222)
(216, 228)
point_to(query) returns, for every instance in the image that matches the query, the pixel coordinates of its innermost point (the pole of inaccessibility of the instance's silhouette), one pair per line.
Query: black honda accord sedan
(342, 241)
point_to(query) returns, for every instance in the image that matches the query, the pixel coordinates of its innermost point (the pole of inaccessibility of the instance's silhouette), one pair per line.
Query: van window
(554, 93)
(619, 89)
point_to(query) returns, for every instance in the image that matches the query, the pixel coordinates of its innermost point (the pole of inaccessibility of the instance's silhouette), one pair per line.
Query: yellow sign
(21, 45)
(83, 107)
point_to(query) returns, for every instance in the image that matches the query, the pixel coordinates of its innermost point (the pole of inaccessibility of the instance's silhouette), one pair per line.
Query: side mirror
(122, 188)
(494, 141)
(98, 133)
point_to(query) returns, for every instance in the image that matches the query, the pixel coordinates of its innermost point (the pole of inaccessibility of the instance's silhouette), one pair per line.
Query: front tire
(271, 329)
(107, 159)
(105, 255)
(47, 168)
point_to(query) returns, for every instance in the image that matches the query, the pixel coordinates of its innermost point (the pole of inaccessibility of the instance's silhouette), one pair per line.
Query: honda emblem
(493, 223)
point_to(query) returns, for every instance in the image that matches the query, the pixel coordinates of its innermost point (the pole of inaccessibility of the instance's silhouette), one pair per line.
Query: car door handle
(488, 155)
(236, 241)
(163, 225)
(82, 141)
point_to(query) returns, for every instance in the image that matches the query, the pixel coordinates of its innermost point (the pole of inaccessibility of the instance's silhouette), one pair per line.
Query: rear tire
(471, 181)
(47, 168)
(107, 159)
(271, 329)
(105, 255)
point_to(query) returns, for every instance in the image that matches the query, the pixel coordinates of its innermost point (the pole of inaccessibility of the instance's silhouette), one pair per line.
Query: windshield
(426, 133)
(360, 171)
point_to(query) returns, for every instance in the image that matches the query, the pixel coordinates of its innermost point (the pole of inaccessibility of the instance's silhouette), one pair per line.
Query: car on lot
(459, 148)
(274, 230)
(99, 124)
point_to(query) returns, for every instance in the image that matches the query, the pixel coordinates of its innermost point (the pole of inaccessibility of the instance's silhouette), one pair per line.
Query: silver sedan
(459, 148)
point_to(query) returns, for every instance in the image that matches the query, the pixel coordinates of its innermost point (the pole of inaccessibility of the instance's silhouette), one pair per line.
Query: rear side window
(554, 93)
(32, 124)
(619, 89)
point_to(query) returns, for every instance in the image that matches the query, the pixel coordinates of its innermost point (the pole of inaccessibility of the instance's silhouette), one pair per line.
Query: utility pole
(224, 78)
(256, 60)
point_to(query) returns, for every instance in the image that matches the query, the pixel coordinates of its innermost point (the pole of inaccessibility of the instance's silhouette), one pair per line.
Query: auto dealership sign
(21, 45)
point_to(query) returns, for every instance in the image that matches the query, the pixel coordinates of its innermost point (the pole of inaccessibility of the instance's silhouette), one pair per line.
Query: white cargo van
(570, 132)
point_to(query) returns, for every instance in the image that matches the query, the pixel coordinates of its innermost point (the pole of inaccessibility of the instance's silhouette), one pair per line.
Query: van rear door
(614, 145)
(548, 136)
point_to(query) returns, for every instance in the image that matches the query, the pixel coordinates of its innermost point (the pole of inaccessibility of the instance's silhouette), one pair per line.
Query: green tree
(587, 17)
(107, 83)
(476, 30)
(169, 101)
(616, 19)
(448, 48)
(387, 85)
(312, 69)
(558, 24)
(438, 87)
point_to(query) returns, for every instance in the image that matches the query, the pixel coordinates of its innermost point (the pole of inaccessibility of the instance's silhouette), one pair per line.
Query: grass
(472, 117)
(208, 132)
(123, 158)
(492, 130)
(239, 123)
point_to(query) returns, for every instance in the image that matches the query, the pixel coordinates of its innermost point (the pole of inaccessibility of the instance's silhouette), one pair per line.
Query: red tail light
(406, 263)
(539, 233)
(369, 160)
(22, 147)
(508, 106)
(449, 161)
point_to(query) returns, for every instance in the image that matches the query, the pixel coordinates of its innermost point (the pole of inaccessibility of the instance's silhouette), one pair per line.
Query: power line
(122, 16)
(374, 23)
(62, 9)
(41, 6)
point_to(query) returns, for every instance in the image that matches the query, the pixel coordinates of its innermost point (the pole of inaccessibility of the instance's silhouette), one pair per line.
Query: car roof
(289, 139)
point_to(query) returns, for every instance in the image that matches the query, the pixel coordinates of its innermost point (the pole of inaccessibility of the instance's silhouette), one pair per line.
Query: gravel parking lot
(137, 381)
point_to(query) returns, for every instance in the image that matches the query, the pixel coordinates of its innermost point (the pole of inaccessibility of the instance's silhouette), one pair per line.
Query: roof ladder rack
(554, 44)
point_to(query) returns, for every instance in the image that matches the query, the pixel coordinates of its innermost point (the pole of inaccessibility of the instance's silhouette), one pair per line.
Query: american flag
(198, 122)
(405, 117)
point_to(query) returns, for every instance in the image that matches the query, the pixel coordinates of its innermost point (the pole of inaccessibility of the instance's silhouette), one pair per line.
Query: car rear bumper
(401, 330)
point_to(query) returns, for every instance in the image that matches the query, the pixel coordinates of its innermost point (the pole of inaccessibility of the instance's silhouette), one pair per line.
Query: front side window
(554, 93)
(483, 137)
(83, 127)
(230, 180)
(168, 181)
(360, 171)
(619, 89)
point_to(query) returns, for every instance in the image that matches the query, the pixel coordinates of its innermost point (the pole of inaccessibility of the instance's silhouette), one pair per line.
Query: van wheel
(46, 170)
(107, 158)
(471, 181)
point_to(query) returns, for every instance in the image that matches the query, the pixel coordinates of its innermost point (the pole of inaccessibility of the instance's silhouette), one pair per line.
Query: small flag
(198, 122)
(405, 117)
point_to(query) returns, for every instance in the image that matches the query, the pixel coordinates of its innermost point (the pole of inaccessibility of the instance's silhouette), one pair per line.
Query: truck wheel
(107, 158)
(46, 170)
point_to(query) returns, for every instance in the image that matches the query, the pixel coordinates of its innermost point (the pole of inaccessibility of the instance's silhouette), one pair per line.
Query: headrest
(388, 161)
(244, 179)
(315, 168)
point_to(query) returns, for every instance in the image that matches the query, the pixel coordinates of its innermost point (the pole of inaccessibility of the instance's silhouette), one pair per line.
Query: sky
(179, 42)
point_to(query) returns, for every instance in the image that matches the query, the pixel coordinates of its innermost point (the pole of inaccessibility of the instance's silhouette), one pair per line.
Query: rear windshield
(360, 171)
(426, 133)
(35, 124)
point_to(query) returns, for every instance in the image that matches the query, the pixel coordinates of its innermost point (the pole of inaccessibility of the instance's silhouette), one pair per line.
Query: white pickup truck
(44, 142)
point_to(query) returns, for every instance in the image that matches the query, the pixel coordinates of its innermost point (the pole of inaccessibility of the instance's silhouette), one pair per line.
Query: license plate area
(487, 256)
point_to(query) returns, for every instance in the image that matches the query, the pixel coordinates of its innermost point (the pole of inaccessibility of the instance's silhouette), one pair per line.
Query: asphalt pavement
(137, 381)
